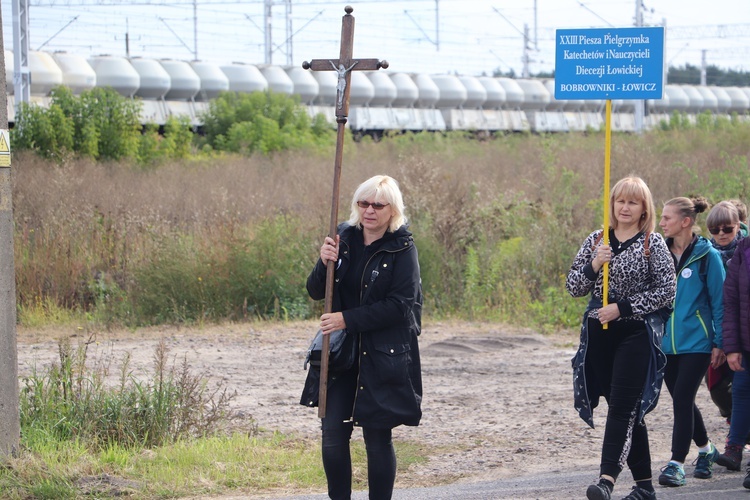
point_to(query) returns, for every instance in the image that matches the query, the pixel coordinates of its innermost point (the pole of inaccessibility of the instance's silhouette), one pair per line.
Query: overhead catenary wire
(226, 34)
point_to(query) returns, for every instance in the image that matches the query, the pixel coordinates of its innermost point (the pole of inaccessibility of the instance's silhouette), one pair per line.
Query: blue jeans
(740, 423)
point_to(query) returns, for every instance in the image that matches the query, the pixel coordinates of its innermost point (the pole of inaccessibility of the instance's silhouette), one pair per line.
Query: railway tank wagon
(492, 108)
(379, 101)
(405, 115)
(154, 85)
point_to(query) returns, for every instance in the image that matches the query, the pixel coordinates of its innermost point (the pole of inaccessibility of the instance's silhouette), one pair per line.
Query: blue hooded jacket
(695, 323)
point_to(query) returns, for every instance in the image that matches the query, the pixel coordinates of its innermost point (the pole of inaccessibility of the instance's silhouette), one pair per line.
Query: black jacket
(388, 321)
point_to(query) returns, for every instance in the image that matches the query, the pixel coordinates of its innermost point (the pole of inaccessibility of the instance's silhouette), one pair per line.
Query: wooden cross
(344, 66)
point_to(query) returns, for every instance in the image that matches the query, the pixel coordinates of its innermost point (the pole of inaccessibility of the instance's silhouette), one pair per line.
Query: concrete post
(10, 421)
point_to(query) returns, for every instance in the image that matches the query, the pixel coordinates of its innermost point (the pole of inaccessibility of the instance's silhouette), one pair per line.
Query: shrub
(100, 124)
(259, 274)
(262, 122)
(69, 402)
(174, 143)
(47, 131)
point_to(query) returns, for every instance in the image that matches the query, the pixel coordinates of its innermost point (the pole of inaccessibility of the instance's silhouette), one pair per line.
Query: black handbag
(342, 351)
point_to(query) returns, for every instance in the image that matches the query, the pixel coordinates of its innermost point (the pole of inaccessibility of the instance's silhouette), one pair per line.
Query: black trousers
(337, 432)
(619, 360)
(683, 377)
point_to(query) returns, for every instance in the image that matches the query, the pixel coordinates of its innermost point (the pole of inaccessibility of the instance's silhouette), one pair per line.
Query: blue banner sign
(615, 63)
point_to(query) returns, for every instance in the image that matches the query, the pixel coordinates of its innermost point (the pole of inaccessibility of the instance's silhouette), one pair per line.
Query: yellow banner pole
(607, 164)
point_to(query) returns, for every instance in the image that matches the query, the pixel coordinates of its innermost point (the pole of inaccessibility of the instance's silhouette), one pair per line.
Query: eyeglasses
(722, 229)
(376, 206)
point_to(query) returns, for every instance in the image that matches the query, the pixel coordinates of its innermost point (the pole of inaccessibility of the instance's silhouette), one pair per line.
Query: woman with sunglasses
(724, 224)
(624, 362)
(736, 331)
(377, 297)
(692, 339)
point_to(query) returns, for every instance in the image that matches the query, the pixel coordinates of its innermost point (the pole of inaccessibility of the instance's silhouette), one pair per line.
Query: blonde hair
(634, 188)
(383, 189)
(689, 208)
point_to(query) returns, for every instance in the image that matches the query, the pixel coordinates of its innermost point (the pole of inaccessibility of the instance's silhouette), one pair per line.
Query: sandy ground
(498, 399)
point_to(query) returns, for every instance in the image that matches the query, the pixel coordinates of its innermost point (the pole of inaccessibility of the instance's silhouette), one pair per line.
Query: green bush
(174, 143)
(47, 131)
(100, 124)
(70, 402)
(261, 275)
(262, 122)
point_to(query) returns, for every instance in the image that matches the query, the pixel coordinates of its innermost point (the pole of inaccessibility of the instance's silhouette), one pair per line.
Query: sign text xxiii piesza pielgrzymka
(615, 63)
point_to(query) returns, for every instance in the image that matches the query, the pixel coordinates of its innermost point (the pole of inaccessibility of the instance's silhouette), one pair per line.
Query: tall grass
(73, 401)
(497, 222)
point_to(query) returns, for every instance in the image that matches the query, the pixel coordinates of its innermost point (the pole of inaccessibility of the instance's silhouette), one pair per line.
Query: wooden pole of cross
(343, 66)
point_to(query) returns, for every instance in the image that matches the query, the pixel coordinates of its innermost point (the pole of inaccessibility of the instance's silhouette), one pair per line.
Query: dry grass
(207, 192)
(84, 221)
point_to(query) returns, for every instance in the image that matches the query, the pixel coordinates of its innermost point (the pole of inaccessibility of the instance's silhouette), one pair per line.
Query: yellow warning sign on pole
(4, 148)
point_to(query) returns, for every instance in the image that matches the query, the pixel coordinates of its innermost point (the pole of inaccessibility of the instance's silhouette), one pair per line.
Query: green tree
(115, 118)
(175, 141)
(261, 121)
(47, 131)
(86, 135)
(99, 123)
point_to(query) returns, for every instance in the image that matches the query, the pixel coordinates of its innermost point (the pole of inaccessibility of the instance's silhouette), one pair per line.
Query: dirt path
(498, 400)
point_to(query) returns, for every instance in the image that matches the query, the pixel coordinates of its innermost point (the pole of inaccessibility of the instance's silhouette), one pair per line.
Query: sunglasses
(722, 229)
(367, 204)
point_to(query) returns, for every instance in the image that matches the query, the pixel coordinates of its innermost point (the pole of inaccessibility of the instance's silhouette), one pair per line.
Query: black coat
(388, 321)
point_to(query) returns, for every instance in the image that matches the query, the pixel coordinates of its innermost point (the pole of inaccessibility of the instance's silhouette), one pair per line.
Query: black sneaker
(731, 458)
(746, 482)
(598, 492)
(638, 493)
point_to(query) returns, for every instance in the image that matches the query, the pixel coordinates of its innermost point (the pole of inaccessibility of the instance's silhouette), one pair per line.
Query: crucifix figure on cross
(343, 66)
(341, 85)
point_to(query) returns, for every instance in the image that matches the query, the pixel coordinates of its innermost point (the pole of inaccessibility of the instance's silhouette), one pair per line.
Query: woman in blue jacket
(692, 338)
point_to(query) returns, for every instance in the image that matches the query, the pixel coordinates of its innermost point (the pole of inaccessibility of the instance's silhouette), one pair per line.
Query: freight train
(379, 101)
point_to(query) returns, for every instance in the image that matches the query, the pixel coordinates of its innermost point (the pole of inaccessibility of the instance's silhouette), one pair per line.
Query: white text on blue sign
(618, 63)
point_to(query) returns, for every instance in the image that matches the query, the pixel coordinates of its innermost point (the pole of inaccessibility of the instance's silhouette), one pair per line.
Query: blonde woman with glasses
(623, 363)
(377, 297)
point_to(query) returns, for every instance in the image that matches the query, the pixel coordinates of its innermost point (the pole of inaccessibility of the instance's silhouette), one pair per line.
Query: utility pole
(267, 18)
(526, 57)
(536, 37)
(639, 103)
(289, 35)
(10, 419)
(195, 30)
(437, 25)
(704, 64)
(21, 70)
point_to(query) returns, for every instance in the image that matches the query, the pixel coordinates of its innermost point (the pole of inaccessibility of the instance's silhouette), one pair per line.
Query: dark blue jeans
(337, 432)
(683, 376)
(619, 359)
(740, 424)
